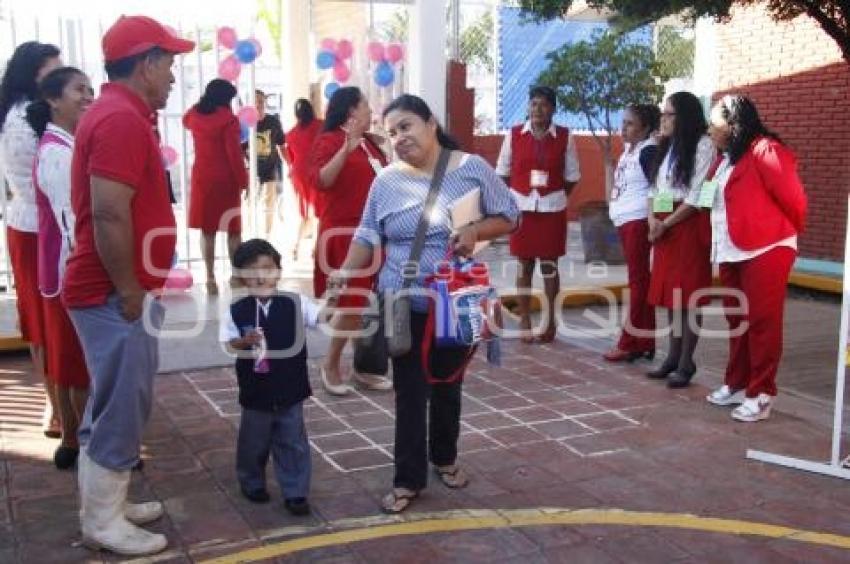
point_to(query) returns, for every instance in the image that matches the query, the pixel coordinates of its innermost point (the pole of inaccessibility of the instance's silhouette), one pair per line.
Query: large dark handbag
(375, 344)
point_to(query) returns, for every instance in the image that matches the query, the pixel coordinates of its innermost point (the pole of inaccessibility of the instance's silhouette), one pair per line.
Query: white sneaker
(725, 396)
(753, 409)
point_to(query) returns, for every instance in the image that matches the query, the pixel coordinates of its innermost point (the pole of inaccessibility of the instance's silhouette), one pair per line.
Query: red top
(765, 201)
(299, 143)
(342, 202)
(116, 139)
(529, 153)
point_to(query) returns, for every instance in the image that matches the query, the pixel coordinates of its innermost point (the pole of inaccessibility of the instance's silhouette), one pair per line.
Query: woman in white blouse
(29, 63)
(628, 212)
(679, 231)
(65, 94)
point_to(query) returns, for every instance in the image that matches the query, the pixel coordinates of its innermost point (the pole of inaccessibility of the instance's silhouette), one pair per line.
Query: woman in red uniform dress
(539, 162)
(343, 163)
(299, 143)
(218, 173)
(679, 231)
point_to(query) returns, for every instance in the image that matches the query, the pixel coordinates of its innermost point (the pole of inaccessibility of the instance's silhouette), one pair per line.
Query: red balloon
(395, 53)
(376, 51)
(341, 72)
(344, 49)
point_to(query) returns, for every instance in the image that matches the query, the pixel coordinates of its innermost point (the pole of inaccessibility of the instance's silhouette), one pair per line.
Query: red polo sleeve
(777, 167)
(120, 149)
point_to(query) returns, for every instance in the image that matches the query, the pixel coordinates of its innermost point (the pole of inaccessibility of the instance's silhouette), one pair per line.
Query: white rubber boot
(103, 496)
(143, 513)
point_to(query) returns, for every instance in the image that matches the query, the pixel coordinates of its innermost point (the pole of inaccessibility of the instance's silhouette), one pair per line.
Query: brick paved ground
(554, 427)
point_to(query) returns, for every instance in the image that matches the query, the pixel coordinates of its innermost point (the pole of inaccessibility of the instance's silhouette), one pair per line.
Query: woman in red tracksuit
(344, 162)
(218, 173)
(759, 209)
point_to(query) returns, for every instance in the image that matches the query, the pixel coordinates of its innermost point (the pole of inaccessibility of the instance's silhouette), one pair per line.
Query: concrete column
(295, 37)
(427, 54)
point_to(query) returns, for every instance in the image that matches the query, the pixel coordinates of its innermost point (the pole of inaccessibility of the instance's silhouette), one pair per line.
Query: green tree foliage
(675, 52)
(270, 13)
(599, 77)
(833, 16)
(476, 41)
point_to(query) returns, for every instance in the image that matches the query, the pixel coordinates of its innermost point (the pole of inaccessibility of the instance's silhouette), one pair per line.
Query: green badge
(706, 194)
(663, 202)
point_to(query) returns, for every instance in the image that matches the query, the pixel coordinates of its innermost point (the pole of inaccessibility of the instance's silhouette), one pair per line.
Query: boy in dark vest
(265, 329)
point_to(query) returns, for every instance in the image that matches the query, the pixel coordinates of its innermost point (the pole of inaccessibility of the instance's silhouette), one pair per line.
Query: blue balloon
(384, 74)
(330, 88)
(244, 133)
(325, 60)
(245, 51)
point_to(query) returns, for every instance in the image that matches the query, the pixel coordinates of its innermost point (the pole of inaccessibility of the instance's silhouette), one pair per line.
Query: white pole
(841, 367)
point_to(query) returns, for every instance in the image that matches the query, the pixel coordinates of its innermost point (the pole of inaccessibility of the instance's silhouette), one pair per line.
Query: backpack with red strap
(463, 312)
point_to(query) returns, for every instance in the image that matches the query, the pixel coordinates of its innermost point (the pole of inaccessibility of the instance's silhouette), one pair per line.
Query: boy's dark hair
(251, 250)
(545, 92)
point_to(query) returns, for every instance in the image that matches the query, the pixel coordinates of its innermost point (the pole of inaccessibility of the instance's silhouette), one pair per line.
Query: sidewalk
(572, 459)
(553, 428)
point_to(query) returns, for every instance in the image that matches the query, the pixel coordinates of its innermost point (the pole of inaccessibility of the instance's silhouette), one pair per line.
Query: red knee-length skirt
(540, 235)
(23, 254)
(331, 250)
(215, 208)
(64, 357)
(681, 262)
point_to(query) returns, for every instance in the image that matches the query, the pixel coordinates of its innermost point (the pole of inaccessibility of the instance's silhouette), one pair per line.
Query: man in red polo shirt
(125, 238)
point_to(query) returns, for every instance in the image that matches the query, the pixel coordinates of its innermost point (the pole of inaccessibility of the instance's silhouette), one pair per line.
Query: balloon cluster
(333, 55)
(385, 56)
(245, 51)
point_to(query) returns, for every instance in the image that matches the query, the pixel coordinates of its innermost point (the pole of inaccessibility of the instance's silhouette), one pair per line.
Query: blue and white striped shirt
(395, 204)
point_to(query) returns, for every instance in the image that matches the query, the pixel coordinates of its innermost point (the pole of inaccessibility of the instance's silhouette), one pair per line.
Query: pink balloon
(249, 116)
(179, 279)
(229, 68)
(376, 51)
(227, 37)
(169, 156)
(328, 44)
(256, 45)
(344, 49)
(395, 53)
(341, 72)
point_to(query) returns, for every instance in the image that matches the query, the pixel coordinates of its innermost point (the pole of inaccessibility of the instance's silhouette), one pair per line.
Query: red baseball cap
(131, 35)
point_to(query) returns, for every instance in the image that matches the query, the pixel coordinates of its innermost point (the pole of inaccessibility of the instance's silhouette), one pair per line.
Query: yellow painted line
(816, 282)
(502, 519)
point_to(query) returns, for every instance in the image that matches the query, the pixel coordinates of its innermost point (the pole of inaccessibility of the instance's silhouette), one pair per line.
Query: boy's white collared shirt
(227, 329)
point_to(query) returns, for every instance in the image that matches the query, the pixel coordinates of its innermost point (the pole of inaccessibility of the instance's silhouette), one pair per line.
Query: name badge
(539, 179)
(707, 193)
(663, 202)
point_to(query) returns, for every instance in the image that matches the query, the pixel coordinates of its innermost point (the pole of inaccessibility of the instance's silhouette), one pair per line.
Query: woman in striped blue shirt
(389, 221)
